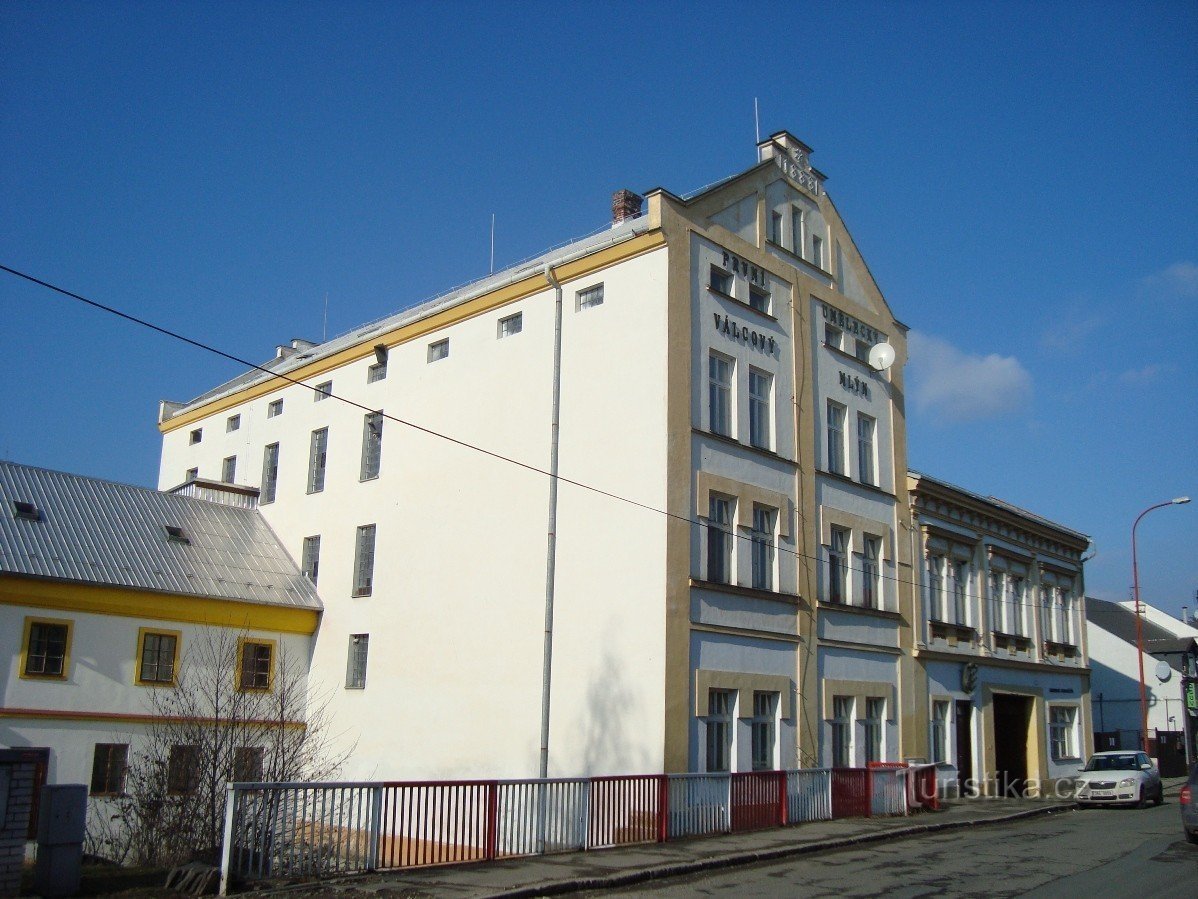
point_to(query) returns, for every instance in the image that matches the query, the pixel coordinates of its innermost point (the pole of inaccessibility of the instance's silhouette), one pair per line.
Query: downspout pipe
(551, 547)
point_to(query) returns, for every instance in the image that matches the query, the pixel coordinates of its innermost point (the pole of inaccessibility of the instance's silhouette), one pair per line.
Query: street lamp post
(1135, 580)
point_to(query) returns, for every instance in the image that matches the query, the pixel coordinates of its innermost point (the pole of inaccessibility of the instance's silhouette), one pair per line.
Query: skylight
(28, 511)
(175, 534)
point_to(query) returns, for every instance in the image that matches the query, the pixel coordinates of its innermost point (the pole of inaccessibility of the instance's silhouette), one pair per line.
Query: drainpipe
(551, 550)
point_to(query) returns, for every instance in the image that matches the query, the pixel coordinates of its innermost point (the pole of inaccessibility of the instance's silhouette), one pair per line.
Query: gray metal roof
(606, 237)
(100, 532)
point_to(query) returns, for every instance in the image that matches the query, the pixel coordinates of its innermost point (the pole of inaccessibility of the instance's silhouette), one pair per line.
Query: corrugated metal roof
(608, 236)
(100, 532)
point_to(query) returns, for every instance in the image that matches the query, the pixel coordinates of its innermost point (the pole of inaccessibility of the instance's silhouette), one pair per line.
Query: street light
(1135, 581)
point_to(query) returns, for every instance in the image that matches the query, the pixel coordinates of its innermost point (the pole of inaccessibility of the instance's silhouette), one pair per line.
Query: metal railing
(287, 830)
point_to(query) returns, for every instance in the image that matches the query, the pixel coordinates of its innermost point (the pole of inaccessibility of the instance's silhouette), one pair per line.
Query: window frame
(239, 766)
(763, 730)
(318, 460)
(233, 423)
(356, 661)
(775, 234)
(760, 300)
(760, 405)
(838, 564)
(376, 371)
(719, 281)
(841, 738)
(182, 769)
(438, 350)
(228, 470)
(871, 572)
(503, 329)
(322, 391)
(589, 297)
(765, 521)
(270, 474)
(242, 643)
(1062, 735)
(720, 536)
(139, 660)
(312, 540)
(108, 788)
(798, 225)
(274, 408)
(372, 446)
(363, 584)
(720, 395)
(196, 436)
(720, 730)
(817, 252)
(32, 621)
(867, 449)
(874, 729)
(835, 415)
(939, 725)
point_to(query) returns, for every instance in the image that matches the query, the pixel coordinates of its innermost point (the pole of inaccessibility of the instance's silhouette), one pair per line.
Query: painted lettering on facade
(738, 332)
(854, 384)
(850, 325)
(738, 266)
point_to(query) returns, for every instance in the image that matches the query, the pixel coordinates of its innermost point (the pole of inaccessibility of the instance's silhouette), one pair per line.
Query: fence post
(492, 819)
(782, 798)
(663, 808)
(226, 852)
(376, 830)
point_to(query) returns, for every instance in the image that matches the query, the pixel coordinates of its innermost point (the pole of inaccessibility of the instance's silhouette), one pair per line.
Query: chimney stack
(624, 205)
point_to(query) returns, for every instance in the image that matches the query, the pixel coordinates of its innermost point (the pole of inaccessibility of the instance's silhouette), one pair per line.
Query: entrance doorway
(964, 745)
(1012, 718)
(1171, 753)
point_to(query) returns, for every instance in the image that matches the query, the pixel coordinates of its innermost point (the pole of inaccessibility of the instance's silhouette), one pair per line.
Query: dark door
(964, 745)
(1171, 753)
(1012, 717)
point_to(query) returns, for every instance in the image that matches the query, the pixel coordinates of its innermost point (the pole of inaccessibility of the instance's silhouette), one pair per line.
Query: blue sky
(1021, 178)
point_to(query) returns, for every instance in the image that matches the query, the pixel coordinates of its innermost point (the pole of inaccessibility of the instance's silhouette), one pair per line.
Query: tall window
(372, 444)
(865, 449)
(776, 228)
(996, 601)
(719, 394)
(317, 459)
(871, 592)
(47, 644)
(842, 731)
(838, 565)
(817, 251)
(310, 564)
(270, 473)
(591, 297)
(1061, 727)
(939, 731)
(108, 769)
(257, 665)
(763, 548)
(875, 713)
(935, 577)
(228, 469)
(355, 673)
(1066, 605)
(796, 230)
(720, 704)
(156, 663)
(960, 592)
(719, 540)
(835, 437)
(765, 709)
(759, 408)
(1015, 590)
(1047, 613)
(364, 561)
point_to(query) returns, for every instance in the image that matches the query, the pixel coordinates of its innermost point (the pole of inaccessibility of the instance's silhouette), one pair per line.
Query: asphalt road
(1102, 853)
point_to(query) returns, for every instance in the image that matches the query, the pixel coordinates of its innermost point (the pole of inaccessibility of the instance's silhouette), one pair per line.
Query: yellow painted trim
(30, 621)
(141, 639)
(119, 718)
(480, 305)
(242, 643)
(126, 603)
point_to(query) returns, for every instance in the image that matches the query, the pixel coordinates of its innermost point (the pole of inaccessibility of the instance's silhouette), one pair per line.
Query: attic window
(28, 511)
(174, 534)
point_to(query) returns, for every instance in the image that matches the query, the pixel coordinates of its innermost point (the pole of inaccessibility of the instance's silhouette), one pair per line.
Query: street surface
(1095, 853)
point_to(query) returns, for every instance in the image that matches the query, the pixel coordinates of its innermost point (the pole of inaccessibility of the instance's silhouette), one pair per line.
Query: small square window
(513, 324)
(591, 297)
(192, 474)
(759, 299)
(721, 281)
(247, 764)
(232, 423)
(861, 350)
(438, 350)
(275, 407)
(832, 336)
(322, 391)
(376, 372)
(196, 436)
(28, 511)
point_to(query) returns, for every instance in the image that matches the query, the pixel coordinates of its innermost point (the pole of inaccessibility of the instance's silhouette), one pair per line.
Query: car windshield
(1112, 763)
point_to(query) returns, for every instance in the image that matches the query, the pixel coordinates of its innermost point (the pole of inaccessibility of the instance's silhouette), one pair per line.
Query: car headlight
(1127, 781)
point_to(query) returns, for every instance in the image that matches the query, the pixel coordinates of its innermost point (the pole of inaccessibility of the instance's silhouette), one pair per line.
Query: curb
(661, 872)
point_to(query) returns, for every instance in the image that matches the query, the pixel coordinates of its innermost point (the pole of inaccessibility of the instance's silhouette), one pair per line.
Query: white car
(1119, 777)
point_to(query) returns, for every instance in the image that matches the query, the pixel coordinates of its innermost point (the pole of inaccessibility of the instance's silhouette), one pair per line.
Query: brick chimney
(624, 205)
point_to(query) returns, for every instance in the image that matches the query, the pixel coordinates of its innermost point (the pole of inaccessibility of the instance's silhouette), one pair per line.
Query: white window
(510, 325)
(589, 298)
(866, 472)
(372, 445)
(273, 408)
(310, 564)
(871, 573)
(719, 395)
(1015, 588)
(817, 251)
(759, 299)
(1067, 606)
(228, 469)
(720, 706)
(838, 565)
(764, 730)
(835, 437)
(873, 723)
(935, 578)
(719, 540)
(940, 731)
(776, 228)
(376, 372)
(796, 230)
(842, 731)
(721, 281)
(997, 604)
(759, 408)
(270, 473)
(232, 423)
(1047, 613)
(1062, 727)
(355, 668)
(438, 349)
(317, 460)
(322, 391)
(763, 548)
(364, 561)
(961, 578)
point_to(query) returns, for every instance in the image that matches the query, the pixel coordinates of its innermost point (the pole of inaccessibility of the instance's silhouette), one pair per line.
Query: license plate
(1102, 794)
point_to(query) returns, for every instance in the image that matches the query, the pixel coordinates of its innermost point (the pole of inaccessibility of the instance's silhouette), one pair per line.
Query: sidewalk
(604, 869)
